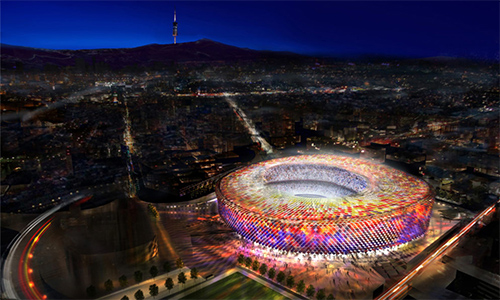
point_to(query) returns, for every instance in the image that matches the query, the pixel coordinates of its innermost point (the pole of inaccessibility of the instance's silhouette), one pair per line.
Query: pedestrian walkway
(159, 281)
(279, 289)
(187, 291)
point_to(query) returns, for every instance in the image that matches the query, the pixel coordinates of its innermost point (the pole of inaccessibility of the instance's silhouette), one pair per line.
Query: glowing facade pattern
(350, 205)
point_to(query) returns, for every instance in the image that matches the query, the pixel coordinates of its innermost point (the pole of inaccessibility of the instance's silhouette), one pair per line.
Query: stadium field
(236, 286)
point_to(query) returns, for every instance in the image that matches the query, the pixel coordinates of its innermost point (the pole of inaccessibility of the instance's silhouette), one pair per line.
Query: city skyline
(408, 29)
(197, 164)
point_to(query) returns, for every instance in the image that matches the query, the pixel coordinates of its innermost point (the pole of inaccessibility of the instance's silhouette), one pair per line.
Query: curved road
(16, 274)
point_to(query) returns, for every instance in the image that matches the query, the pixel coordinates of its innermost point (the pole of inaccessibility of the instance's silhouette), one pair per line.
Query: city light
(254, 140)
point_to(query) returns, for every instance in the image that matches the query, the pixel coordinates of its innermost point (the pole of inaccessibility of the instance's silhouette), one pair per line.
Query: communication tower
(174, 33)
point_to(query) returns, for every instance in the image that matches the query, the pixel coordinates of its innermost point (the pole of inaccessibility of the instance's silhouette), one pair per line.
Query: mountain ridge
(201, 51)
(161, 56)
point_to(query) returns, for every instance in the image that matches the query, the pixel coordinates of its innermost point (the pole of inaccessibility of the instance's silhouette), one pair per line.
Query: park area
(236, 286)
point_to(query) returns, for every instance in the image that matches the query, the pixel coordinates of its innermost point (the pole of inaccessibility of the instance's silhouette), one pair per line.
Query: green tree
(255, 265)
(320, 295)
(280, 277)
(248, 262)
(310, 291)
(301, 286)
(169, 284)
(166, 267)
(108, 285)
(153, 290)
(330, 297)
(153, 271)
(271, 273)
(91, 291)
(139, 295)
(124, 298)
(123, 281)
(194, 273)
(182, 277)
(290, 281)
(263, 269)
(179, 263)
(241, 259)
(138, 276)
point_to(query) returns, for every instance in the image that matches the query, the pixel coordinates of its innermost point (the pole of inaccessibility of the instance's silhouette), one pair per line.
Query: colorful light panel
(386, 208)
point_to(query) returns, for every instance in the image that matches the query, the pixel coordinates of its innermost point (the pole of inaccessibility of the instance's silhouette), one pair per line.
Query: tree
(153, 290)
(91, 291)
(153, 271)
(139, 295)
(169, 284)
(301, 286)
(263, 269)
(330, 297)
(241, 259)
(290, 281)
(138, 276)
(248, 262)
(179, 263)
(320, 295)
(153, 211)
(271, 273)
(194, 273)
(281, 277)
(108, 285)
(166, 266)
(124, 298)
(255, 265)
(182, 277)
(123, 281)
(310, 291)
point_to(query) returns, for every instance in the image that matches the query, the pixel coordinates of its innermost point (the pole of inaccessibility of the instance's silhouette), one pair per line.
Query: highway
(401, 288)
(16, 274)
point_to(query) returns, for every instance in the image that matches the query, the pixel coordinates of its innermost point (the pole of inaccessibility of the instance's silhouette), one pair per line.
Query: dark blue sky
(450, 28)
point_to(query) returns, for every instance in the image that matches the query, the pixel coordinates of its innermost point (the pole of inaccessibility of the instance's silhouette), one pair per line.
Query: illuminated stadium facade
(325, 204)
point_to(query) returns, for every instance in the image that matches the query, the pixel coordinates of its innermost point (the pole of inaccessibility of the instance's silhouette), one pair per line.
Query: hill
(201, 51)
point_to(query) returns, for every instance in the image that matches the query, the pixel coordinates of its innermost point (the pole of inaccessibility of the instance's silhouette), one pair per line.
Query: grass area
(236, 286)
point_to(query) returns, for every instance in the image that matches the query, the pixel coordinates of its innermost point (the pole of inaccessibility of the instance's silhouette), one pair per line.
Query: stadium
(324, 204)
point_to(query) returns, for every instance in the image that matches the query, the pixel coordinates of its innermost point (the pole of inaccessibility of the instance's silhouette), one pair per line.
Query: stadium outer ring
(393, 209)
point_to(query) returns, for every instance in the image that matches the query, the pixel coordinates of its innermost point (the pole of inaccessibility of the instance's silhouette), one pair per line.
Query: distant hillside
(200, 51)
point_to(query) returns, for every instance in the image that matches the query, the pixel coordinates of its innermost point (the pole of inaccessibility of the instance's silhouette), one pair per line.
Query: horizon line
(319, 54)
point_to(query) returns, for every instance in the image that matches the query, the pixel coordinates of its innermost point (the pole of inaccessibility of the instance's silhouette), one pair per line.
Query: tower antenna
(174, 33)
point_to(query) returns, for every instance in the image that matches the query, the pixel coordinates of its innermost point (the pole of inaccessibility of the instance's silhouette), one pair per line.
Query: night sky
(418, 29)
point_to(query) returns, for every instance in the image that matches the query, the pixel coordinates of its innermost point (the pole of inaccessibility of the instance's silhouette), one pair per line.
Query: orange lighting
(30, 271)
(30, 255)
(31, 284)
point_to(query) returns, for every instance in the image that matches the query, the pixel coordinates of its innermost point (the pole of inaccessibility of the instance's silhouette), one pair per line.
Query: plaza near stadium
(325, 204)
